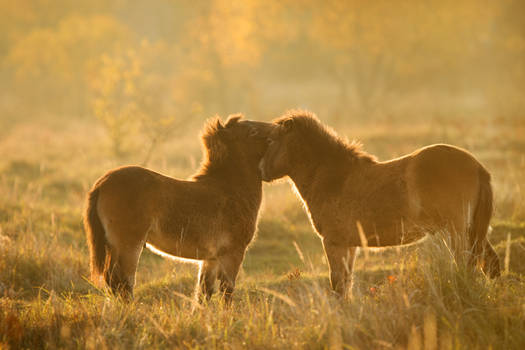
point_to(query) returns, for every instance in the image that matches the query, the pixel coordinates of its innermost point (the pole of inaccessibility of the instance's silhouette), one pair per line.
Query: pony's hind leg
(483, 255)
(121, 269)
(207, 278)
(229, 266)
(490, 263)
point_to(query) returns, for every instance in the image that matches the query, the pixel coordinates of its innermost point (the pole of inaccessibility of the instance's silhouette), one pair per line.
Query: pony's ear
(227, 133)
(233, 119)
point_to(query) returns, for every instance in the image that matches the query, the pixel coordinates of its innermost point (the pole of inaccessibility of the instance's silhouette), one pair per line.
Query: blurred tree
(368, 41)
(223, 56)
(226, 43)
(506, 59)
(23, 16)
(381, 46)
(114, 104)
(139, 95)
(50, 65)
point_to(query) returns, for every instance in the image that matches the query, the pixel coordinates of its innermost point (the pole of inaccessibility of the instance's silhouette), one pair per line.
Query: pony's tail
(480, 226)
(95, 235)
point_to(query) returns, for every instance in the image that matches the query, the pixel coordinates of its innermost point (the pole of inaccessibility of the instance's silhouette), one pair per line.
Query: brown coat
(211, 218)
(354, 200)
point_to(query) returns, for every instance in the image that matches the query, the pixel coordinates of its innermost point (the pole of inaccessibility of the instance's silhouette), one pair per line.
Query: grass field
(410, 297)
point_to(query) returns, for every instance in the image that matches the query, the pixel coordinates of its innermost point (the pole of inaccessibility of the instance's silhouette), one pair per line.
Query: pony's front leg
(207, 278)
(341, 261)
(229, 266)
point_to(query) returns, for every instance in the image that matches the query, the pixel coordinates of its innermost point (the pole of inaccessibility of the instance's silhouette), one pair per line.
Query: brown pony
(354, 200)
(211, 218)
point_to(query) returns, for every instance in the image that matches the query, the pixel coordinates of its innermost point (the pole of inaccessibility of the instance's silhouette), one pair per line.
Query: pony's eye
(269, 141)
(253, 132)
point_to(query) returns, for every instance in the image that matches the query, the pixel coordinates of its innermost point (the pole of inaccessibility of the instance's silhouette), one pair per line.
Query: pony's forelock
(212, 126)
(214, 136)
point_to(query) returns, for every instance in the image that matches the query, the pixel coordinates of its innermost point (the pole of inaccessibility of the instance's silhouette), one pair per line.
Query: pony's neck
(304, 173)
(237, 174)
(311, 171)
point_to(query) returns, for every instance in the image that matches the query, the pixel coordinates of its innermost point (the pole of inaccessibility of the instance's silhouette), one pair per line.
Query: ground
(405, 297)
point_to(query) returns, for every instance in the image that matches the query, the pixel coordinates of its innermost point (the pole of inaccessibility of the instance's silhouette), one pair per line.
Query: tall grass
(402, 298)
(427, 300)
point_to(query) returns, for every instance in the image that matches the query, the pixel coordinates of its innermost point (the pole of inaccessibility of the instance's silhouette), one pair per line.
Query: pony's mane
(214, 138)
(324, 138)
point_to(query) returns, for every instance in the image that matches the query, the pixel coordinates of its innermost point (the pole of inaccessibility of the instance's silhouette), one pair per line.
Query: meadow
(89, 85)
(408, 298)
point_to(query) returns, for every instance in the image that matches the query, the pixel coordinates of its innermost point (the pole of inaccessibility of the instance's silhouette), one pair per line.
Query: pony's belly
(395, 233)
(182, 247)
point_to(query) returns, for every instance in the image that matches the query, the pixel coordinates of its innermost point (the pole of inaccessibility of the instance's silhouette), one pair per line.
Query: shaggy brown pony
(354, 200)
(211, 218)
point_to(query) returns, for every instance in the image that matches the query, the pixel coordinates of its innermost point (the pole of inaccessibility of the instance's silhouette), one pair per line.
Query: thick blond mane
(322, 137)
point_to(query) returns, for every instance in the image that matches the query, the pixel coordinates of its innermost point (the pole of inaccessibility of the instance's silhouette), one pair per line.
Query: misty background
(153, 65)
